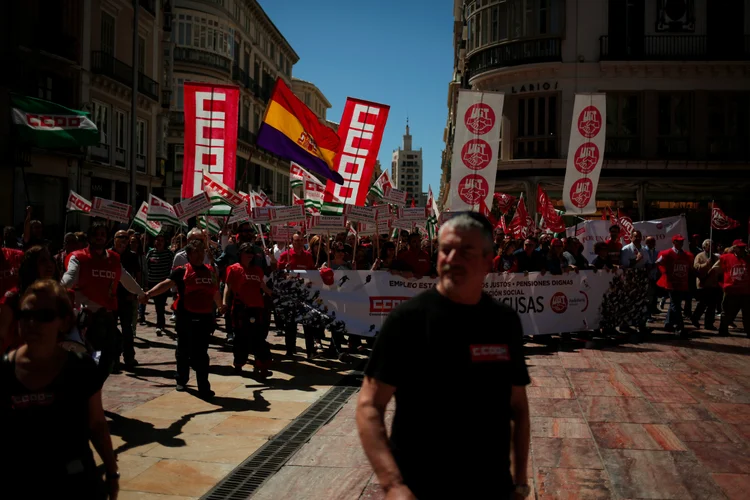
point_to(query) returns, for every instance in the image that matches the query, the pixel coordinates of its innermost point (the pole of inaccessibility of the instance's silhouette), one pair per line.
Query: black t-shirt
(46, 432)
(453, 367)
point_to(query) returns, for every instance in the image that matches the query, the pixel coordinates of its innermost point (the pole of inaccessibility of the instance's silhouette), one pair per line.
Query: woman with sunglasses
(37, 263)
(244, 283)
(51, 400)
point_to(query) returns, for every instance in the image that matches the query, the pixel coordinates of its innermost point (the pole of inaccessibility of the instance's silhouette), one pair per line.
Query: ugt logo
(479, 118)
(472, 189)
(581, 192)
(589, 122)
(586, 157)
(476, 154)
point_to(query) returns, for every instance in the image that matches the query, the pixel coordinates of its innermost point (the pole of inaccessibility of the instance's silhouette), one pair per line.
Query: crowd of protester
(92, 293)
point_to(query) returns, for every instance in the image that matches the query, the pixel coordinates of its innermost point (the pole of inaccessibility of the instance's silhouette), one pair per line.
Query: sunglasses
(38, 315)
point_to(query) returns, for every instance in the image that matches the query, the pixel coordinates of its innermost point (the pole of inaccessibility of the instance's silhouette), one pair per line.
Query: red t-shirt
(98, 277)
(291, 260)
(246, 284)
(736, 276)
(199, 286)
(417, 260)
(674, 269)
(9, 269)
(614, 249)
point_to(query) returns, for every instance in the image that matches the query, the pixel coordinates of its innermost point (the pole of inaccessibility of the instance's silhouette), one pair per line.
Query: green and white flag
(48, 125)
(298, 175)
(141, 220)
(211, 223)
(378, 187)
(160, 210)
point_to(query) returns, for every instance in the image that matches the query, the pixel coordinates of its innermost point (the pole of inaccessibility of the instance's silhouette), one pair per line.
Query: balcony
(107, 65)
(673, 148)
(121, 157)
(515, 54)
(535, 148)
(622, 148)
(100, 152)
(727, 149)
(149, 5)
(673, 48)
(195, 56)
(140, 162)
(65, 46)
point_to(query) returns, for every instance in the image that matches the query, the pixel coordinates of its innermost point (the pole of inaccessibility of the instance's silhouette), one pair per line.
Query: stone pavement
(666, 419)
(172, 445)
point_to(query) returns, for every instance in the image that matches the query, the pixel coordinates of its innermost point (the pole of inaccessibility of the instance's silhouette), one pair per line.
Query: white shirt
(629, 253)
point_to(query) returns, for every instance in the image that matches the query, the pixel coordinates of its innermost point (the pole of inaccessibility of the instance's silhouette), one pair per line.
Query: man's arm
(521, 433)
(373, 399)
(70, 278)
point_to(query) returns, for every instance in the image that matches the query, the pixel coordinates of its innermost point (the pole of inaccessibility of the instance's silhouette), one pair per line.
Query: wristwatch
(522, 489)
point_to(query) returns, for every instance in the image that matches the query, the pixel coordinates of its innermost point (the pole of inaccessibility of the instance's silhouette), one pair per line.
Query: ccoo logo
(479, 118)
(559, 303)
(384, 305)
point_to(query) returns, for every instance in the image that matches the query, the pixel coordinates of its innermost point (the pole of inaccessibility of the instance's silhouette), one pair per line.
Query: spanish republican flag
(292, 131)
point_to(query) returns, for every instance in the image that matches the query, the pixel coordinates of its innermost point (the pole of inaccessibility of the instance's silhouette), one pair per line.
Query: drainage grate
(269, 458)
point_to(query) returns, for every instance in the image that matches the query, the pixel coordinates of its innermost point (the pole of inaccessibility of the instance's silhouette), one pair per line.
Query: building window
(494, 21)
(140, 146)
(107, 37)
(623, 126)
(142, 55)
(674, 124)
(205, 33)
(256, 122)
(121, 124)
(180, 94)
(728, 125)
(536, 127)
(246, 116)
(101, 119)
(44, 90)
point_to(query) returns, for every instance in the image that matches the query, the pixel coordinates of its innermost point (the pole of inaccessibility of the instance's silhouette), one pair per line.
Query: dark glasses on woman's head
(38, 315)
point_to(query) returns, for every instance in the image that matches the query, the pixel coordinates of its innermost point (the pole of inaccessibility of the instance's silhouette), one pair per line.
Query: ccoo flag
(291, 130)
(48, 125)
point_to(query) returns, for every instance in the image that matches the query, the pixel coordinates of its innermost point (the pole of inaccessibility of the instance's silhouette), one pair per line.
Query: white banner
(359, 214)
(318, 224)
(111, 210)
(546, 304)
(283, 233)
(394, 196)
(283, 215)
(416, 214)
(593, 231)
(476, 149)
(383, 227)
(193, 206)
(585, 153)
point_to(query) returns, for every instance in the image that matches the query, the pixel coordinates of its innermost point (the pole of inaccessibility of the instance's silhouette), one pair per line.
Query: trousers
(193, 333)
(249, 334)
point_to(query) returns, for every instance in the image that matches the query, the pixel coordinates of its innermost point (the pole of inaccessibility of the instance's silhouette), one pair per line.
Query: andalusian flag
(48, 125)
(141, 220)
(291, 130)
(207, 222)
(298, 175)
(378, 187)
(432, 219)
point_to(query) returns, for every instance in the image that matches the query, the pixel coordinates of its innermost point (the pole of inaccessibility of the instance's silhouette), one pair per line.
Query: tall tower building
(406, 166)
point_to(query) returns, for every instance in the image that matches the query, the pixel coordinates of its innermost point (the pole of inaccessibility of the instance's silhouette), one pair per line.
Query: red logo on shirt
(380, 306)
(481, 353)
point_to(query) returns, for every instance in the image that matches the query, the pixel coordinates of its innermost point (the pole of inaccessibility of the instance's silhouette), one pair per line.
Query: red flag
(504, 201)
(721, 221)
(413, 205)
(484, 210)
(522, 225)
(552, 219)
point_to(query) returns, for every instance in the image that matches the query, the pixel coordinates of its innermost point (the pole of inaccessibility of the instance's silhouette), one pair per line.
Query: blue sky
(398, 53)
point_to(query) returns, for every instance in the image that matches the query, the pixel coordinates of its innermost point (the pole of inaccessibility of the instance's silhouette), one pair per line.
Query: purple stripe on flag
(279, 144)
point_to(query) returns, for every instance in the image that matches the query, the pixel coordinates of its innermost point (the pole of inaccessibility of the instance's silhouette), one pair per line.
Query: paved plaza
(665, 419)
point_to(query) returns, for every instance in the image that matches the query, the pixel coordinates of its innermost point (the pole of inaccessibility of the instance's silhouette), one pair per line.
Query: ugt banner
(210, 134)
(361, 132)
(476, 149)
(585, 153)
(546, 304)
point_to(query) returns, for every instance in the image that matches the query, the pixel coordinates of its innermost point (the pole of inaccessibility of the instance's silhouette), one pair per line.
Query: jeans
(104, 336)
(674, 313)
(731, 305)
(290, 334)
(193, 332)
(160, 303)
(125, 315)
(707, 299)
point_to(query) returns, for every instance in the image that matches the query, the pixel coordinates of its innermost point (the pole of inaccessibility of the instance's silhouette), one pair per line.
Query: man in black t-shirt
(126, 301)
(453, 358)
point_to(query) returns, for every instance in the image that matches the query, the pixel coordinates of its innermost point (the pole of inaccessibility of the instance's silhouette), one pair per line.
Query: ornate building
(230, 42)
(677, 79)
